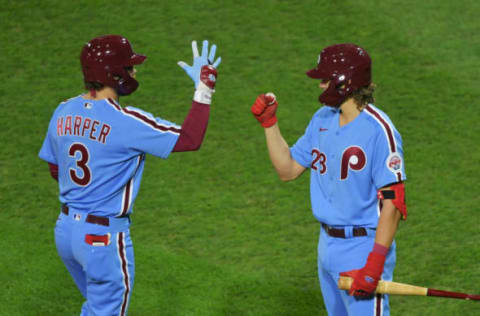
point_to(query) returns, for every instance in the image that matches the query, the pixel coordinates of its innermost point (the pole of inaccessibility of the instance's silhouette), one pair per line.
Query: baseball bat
(395, 288)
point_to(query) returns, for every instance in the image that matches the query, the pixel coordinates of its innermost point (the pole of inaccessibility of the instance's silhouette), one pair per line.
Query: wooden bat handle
(387, 287)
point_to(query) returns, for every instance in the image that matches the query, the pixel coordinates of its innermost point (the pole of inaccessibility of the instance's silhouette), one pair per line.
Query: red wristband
(380, 249)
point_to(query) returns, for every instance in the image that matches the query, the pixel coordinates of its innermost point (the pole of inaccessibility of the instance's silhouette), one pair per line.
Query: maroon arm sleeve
(193, 128)
(53, 170)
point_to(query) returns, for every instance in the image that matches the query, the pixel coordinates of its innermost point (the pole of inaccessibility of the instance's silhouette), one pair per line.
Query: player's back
(93, 155)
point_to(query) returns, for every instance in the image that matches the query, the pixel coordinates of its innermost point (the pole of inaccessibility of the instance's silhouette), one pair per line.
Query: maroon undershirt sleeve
(193, 128)
(53, 170)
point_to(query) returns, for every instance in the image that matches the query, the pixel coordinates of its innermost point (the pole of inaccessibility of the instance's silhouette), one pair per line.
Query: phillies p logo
(352, 158)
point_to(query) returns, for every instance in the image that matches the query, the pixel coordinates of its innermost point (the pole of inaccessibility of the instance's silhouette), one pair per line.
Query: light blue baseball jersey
(100, 149)
(349, 164)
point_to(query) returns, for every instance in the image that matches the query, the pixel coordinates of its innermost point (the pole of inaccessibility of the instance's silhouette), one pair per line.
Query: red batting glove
(366, 279)
(264, 109)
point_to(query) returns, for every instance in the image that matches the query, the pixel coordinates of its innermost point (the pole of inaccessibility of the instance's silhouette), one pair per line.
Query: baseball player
(355, 158)
(96, 150)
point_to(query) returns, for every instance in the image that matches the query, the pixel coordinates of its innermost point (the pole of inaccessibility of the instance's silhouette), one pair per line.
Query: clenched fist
(264, 109)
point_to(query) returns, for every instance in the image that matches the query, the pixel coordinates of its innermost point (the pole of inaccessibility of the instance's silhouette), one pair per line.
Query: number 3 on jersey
(82, 175)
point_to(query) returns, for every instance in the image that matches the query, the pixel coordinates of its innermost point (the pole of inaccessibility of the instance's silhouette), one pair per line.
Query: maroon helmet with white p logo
(347, 67)
(105, 60)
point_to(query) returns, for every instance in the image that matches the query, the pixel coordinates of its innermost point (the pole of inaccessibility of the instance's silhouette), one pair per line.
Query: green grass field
(215, 231)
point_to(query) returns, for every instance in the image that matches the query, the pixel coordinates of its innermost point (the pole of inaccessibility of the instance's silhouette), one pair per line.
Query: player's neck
(348, 111)
(104, 93)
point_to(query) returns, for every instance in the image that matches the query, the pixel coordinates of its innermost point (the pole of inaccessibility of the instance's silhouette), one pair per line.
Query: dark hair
(93, 86)
(99, 86)
(364, 96)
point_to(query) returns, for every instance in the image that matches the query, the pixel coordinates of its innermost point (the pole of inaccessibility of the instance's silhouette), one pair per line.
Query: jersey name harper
(84, 127)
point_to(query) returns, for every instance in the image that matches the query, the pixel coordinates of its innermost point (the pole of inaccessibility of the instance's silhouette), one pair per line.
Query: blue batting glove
(200, 61)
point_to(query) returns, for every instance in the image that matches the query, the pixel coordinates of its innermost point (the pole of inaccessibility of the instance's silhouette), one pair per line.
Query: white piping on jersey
(127, 197)
(141, 117)
(387, 129)
(379, 207)
(128, 191)
(122, 255)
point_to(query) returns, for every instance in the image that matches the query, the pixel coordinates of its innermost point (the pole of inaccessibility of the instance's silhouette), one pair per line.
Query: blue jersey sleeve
(48, 150)
(388, 161)
(149, 134)
(301, 151)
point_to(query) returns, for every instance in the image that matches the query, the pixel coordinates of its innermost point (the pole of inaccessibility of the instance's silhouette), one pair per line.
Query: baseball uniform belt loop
(348, 232)
(340, 232)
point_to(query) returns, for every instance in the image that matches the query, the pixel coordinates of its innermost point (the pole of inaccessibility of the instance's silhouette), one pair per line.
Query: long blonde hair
(364, 96)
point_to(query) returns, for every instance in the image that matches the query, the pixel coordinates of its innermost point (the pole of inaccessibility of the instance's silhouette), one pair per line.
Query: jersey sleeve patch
(394, 162)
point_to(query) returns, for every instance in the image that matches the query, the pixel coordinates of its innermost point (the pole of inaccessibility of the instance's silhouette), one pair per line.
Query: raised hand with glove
(365, 280)
(264, 109)
(203, 72)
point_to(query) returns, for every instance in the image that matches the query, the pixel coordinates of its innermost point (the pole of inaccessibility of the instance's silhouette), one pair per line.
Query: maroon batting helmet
(347, 67)
(104, 59)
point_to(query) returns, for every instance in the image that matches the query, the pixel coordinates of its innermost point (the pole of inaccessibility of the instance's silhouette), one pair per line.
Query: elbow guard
(396, 193)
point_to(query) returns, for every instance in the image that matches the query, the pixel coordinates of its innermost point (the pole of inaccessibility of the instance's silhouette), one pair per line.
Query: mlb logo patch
(77, 217)
(394, 162)
(88, 105)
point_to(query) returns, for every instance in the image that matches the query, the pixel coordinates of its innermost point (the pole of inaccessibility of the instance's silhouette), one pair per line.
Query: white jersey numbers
(353, 158)
(79, 152)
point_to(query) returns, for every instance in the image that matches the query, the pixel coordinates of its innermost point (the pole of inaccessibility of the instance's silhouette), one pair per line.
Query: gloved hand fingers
(259, 106)
(183, 65)
(217, 62)
(257, 109)
(359, 293)
(194, 49)
(211, 55)
(188, 69)
(204, 49)
(269, 111)
(351, 273)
